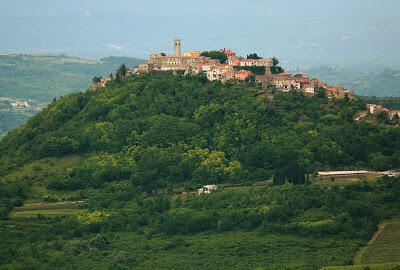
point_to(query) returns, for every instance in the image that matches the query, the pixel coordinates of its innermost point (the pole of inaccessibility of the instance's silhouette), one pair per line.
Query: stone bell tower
(177, 47)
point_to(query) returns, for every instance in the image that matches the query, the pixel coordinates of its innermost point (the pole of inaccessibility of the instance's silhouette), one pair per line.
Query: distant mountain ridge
(39, 78)
(43, 77)
(384, 83)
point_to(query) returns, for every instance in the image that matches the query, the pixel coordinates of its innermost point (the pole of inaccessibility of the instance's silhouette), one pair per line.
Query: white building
(308, 88)
(206, 189)
(256, 62)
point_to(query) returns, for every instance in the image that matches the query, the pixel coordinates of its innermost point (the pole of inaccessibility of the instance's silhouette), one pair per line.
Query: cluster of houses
(375, 109)
(192, 63)
(287, 82)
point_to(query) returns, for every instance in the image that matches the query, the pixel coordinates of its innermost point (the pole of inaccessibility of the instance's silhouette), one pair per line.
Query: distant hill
(43, 77)
(381, 84)
(40, 78)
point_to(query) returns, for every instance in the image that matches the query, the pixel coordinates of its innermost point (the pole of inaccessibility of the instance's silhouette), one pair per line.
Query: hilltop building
(189, 62)
(375, 109)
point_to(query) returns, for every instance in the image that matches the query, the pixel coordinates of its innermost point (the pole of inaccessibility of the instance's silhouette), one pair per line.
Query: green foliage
(253, 56)
(275, 69)
(216, 55)
(121, 72)
(96, 79)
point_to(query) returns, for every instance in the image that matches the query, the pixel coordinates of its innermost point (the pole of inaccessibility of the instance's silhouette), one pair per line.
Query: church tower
(177, 47)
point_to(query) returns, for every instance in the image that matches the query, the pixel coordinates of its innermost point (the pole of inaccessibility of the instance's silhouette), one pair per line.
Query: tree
(295, 173)
(279, 177)
(216, 55)
(163, 54)
(275, 69)
(320, 92)
(253, 56)
(96, 79)
(121, 72)
(383, 116)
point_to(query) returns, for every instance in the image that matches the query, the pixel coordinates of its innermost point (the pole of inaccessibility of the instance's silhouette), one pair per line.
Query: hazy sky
(308, 32)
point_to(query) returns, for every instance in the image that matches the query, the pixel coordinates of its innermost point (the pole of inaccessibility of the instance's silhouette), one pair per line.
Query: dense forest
(144, 143)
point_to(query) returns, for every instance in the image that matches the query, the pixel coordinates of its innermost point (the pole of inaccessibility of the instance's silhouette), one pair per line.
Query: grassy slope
(42, 169)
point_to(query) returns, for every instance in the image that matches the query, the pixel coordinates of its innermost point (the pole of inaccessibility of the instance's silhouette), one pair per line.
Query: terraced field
(382, 252)
(386, 248)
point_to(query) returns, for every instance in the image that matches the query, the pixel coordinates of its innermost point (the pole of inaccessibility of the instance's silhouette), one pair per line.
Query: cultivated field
(386, 248)
(381, 253)
(383, 266)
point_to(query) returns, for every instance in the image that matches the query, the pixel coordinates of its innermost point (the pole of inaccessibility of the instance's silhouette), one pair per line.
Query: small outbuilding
(206, 189)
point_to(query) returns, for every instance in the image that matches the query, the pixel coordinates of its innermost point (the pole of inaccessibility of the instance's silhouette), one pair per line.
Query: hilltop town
(263, 72)
(239, 69)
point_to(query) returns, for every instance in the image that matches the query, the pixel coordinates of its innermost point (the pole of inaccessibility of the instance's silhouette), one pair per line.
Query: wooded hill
(139, 141)
(184, 122)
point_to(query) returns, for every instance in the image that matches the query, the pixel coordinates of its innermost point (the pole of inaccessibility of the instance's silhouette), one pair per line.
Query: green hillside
(138, 150)
(40, 78)
(381, 84)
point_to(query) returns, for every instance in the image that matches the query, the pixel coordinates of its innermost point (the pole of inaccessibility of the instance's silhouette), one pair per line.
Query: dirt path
(360, 116)
(358, 258)
(378, 232)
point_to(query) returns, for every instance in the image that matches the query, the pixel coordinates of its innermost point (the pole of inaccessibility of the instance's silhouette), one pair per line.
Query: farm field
(46, 212)
(346, 180)
(386, 248)
(382, 252)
